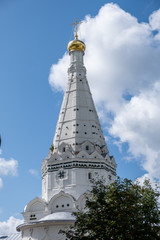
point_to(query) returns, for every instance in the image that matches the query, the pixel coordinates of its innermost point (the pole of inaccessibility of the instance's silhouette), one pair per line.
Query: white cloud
(122, 60)
(10, 225)
(8, 167)
(58, 72)
(138, 123)
(141, 180)
(154, 184)
(33, 172)
(154, 20)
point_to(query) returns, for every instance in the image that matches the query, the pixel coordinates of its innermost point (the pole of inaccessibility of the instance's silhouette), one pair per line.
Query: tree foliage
(122, 210)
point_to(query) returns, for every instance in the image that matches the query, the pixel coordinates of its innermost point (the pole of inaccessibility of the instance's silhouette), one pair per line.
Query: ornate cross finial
(76, 23)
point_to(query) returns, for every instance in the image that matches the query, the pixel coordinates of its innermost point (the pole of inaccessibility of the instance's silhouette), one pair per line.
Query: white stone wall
(46, 232)
(78, 120)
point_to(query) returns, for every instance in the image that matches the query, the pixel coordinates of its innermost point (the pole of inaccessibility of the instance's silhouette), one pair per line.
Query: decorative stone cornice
(51, 167)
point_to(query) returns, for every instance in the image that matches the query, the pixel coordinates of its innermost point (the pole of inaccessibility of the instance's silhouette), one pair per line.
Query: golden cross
(76, 23)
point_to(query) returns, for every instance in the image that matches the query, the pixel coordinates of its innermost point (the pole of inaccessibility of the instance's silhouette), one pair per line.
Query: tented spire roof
(78, 120)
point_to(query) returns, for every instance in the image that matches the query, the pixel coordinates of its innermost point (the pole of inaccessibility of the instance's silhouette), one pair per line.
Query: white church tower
(78, 154)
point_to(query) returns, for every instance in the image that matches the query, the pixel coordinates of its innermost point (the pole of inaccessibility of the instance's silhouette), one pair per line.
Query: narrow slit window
(89, 175)
(109, 176)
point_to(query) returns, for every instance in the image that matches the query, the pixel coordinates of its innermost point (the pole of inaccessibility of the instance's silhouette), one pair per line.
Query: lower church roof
(13, 236)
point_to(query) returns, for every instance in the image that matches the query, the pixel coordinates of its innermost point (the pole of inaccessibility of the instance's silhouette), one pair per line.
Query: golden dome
(76, 45)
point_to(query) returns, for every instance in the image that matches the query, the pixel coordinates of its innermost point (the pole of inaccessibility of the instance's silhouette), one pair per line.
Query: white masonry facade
(78, 154)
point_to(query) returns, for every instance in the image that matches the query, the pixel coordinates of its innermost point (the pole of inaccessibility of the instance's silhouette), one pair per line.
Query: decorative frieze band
(77, 164)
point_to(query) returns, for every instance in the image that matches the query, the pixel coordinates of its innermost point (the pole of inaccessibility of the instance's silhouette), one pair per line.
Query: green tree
(121, 211)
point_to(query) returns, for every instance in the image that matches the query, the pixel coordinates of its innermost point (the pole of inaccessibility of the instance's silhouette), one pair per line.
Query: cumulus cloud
(145, 177)
(138, 123)
(8, 167)
(9, 226)
(33, 172)
(154, 20)
(122, 60)
(58, 76)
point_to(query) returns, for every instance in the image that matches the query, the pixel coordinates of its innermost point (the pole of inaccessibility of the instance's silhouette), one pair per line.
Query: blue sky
(33, 36)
